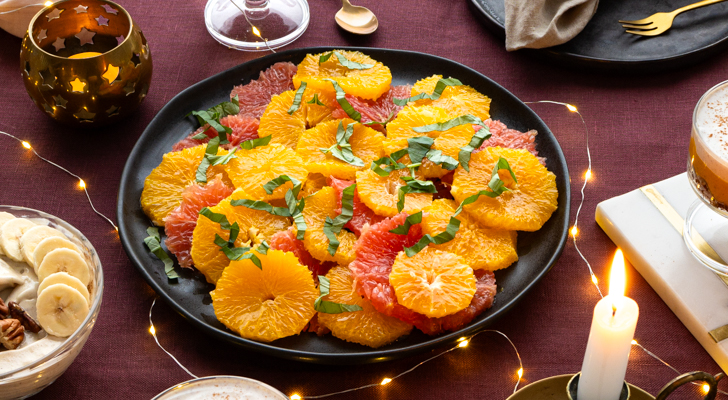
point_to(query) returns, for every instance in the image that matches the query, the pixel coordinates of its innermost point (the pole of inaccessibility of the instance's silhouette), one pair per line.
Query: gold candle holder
(85, 62)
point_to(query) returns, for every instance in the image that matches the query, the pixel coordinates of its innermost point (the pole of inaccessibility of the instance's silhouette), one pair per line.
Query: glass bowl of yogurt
(222, 387)
(42, 357)
(708, 176)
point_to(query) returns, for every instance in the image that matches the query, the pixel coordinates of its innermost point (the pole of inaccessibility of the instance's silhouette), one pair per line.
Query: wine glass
(708, 176)
(256, 25)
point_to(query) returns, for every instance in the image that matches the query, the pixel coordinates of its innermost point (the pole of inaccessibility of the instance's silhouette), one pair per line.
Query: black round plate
(603, 44)
(190, 295)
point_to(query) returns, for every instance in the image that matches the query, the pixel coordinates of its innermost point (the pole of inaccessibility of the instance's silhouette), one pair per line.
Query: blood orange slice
(180, 223)
(381, 110)
(244, 128)
(256, 95)
(502, 136)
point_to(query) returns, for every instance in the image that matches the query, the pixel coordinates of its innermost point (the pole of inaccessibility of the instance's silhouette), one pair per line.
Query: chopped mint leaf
(343, 102)
(418, 148)
(253, 143)
(334, 226)
(342, 149)
(403, 229)
(297, 98)
(343, 61)
(315, 100)
(216, 217)
(390, 162)
(443, 237)
(477, 140)
(294, 207)
(154, 243)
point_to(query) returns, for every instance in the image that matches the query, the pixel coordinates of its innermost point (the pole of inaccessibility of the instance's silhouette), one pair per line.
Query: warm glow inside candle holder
(85, 62)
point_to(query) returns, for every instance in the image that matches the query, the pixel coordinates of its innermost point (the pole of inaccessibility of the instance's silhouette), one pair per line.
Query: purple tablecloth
(639, 124)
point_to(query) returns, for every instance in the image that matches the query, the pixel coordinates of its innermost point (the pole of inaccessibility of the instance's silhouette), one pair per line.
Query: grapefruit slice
(244, 128)
(363, 215)
(255, 96)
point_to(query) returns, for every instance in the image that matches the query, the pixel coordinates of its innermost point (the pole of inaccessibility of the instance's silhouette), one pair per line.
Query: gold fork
(658, 23)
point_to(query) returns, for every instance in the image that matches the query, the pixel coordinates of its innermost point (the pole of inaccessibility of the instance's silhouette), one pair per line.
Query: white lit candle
(610, 340)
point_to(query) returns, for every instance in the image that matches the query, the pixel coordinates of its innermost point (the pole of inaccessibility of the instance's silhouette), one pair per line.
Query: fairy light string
(254, 28)
(81, 183)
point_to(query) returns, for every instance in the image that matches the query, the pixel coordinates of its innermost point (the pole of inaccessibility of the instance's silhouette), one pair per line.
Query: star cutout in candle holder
(113, 111)
(81, 9)
(109, 9)
(135, 60)
(86, 36)
(60, 43)
(48, 108)
(60, 101)
(42, 35)
(55, 14)
(144, 91)
(84, 115)
(102, 21)
(129, 88)
(27, 68)
(77, 85)
(119, 39)
(48, 78)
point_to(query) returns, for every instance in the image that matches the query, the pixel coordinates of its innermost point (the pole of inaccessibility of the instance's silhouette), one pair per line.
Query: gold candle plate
(85, 62)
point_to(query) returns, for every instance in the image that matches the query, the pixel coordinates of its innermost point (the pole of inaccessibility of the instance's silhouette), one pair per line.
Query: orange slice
(525, 207)
(458, 100)
(365, 83)
(320, 205)
(367, 326)
(265, 303)
(287, 128)
(432, 282)
(480, 248)
(163, 187)
(254, 168)
(380, 193)
(255, 226)
(366, 144)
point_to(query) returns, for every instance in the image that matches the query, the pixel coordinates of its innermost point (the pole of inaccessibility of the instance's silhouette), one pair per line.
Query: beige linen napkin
(544, 23)
(15, 15)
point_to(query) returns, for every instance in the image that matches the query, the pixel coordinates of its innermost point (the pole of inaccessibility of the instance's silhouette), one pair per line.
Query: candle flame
(617, 276)
(706, 388)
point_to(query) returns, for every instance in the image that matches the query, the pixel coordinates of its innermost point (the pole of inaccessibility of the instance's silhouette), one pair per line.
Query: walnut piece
(4, 311)
(12, 333)
(21, 315)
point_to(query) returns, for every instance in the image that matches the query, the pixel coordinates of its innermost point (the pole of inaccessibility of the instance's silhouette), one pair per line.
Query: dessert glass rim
(95, 304)
(699, 106)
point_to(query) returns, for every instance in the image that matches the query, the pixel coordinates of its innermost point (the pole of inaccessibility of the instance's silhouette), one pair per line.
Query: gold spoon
(355, 19)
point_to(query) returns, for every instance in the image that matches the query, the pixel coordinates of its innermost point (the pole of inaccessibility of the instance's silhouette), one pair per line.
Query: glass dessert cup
(708, 176)
(256, 25)
(30, 379)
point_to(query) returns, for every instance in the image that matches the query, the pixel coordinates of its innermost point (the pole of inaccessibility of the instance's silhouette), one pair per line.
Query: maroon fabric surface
(639, 124)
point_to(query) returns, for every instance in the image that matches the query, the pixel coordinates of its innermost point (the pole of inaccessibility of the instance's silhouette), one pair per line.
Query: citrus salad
(321, 198)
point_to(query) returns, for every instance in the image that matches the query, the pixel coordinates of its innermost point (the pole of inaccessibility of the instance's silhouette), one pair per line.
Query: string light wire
(153, 331)
(81, 182)
(23, 7)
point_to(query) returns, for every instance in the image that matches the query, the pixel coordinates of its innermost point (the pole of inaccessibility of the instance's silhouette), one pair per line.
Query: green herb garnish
(385, 165)
(253, 143)
(333, 226)
(297, 98)
(154, 243)
(329, 307)
(342, 149)
(476, 141)
(443, 237)
(212, 117)
(216, 217)
(403, 229)
(315, 100)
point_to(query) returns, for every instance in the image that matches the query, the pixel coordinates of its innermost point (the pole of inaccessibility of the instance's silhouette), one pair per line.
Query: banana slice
(32, 237)
(66, 279)
(10, 235)
(4, 217)
(64, 260)
(61, 309)
(49, 244)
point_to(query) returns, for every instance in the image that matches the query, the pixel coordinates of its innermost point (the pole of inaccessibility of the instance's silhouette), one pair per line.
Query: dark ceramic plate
(190, 295)
(694, 35)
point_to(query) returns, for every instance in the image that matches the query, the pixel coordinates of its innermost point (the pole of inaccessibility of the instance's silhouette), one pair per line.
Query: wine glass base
(260, 25)
(710, 222)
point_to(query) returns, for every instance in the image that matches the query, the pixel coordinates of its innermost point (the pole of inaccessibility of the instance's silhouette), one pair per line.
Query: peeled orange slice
(366, 144)
(163, 187)
(319, 206)
(457, 100)
(380, 193)
(287, 128)
(432, 282)
(365, 83)
(255, 226)
(525, 207)
(266, 303)
(480, 248)
(367, 326)
(254, 168)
